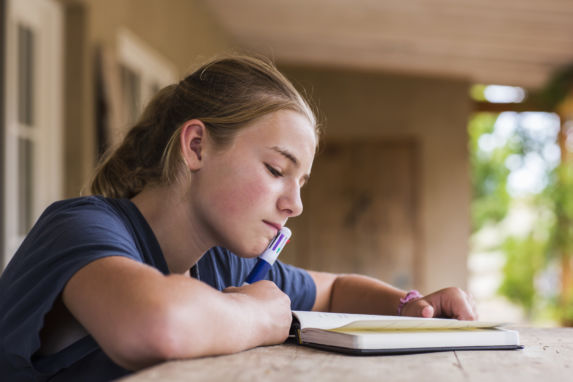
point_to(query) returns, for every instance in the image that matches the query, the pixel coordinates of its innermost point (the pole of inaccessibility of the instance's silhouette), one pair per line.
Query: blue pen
(268, 257)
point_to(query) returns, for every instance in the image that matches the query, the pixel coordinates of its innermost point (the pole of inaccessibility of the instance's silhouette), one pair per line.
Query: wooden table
(548, 356)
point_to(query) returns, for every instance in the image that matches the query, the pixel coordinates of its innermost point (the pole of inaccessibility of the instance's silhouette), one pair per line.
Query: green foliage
(527, 257)
(559, 196)
(566, 313)
(524, 260)
(477, 92)
(490, 200)
(557, 89)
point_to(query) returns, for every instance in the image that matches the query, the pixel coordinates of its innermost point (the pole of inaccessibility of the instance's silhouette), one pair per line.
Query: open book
(372, 334)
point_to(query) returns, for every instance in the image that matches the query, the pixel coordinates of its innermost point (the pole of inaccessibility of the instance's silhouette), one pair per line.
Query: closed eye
(273, 171)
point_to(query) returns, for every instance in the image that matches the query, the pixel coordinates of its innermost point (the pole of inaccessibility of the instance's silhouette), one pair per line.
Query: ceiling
(511, 42)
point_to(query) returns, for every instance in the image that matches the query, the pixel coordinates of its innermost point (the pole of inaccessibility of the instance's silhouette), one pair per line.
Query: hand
(271, 311)
(448, 303)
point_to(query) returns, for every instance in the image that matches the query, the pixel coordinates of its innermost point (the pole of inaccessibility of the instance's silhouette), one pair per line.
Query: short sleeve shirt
(71, 234)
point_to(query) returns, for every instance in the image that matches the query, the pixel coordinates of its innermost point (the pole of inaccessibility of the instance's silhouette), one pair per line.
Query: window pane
(25, 66)
(131, 89)
(25, 185)
(155, 87)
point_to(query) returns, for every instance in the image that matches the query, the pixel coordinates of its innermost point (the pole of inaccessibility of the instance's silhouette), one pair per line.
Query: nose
(290, 201)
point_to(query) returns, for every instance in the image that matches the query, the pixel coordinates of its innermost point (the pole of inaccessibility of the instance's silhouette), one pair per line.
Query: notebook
(374, 334)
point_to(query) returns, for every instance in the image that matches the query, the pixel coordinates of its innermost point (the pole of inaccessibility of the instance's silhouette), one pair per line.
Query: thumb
(418, 308)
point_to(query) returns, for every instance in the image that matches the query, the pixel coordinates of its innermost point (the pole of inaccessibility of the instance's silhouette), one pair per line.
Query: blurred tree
(490, 199)
(559, 196)
(550, 237)
(524, 261)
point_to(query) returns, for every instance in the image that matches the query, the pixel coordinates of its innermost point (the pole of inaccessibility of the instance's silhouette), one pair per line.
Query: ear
(193, 141)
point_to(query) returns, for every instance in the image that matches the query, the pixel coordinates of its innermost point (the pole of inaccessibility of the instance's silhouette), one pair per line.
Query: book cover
(375, 334)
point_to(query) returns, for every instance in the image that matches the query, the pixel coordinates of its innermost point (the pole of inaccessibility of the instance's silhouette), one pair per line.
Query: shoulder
(86, 224)
(72, 214)
(81, 205)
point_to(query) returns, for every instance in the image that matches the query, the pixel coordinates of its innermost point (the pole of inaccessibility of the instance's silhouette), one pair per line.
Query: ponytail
(226, 94)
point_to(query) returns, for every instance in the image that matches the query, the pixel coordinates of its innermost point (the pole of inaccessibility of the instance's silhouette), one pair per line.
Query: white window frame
(151, 67)
(144, 60)
(45, 18)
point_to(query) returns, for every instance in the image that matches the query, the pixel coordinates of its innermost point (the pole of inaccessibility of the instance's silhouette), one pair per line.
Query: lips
(276, 226)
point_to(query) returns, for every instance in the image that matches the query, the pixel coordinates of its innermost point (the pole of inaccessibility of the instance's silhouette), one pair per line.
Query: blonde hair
(226, 94)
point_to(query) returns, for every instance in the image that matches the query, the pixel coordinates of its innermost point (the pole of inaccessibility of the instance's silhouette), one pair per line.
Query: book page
(345, 321)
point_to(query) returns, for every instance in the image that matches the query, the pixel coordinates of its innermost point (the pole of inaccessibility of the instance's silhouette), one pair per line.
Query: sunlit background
(518, 257)
(445, 159)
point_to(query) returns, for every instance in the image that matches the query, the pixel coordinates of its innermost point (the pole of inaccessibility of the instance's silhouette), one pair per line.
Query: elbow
(164, 334)
(155, 337)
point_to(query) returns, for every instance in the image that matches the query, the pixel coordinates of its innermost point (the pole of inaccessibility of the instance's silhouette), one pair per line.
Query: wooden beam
(501, 107)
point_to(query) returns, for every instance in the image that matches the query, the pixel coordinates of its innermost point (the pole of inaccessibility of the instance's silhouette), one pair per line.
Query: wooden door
(360, 211)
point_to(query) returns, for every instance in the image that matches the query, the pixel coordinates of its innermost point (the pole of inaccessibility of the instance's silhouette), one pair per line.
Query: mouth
(276, 226)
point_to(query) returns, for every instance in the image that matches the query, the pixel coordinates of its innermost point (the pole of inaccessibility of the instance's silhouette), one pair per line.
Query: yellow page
(343, 321)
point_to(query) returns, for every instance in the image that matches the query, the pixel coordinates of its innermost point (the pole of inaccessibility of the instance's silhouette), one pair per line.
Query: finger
(419, 308)
(427, 311)
(452, 302)
(463, 308)
(473, 305)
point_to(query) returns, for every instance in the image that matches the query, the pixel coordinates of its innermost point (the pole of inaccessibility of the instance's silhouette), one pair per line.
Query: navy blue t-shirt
(69, 235)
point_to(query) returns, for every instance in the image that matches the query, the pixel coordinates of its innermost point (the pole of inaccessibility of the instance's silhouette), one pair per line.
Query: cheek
(244, 193)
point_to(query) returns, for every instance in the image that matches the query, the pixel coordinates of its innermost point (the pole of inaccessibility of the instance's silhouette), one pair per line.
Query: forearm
(193, 320)
(362, 294)
(208, 322)
(140, 317)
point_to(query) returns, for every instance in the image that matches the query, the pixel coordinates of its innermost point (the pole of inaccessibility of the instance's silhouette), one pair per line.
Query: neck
(169, 214)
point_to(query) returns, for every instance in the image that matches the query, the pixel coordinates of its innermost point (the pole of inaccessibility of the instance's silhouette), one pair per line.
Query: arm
(362, 294)
(140, 317)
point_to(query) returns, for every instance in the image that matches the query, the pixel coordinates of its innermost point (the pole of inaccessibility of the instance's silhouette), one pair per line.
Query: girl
(101, 284)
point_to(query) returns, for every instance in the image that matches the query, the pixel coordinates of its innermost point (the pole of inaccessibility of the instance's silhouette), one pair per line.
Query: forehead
(285, 129)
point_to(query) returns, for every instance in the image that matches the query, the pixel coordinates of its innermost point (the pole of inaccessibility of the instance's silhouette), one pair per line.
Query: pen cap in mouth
(276, 246)
(280, 240)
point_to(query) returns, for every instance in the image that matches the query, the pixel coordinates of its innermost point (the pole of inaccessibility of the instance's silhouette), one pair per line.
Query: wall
(355, 105)
(434, 112)
(183, 32)
(2, 127)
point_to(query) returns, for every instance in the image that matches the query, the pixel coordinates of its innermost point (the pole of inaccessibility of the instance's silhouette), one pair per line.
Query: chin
(249, 247)
(250, 252)
(256, 251)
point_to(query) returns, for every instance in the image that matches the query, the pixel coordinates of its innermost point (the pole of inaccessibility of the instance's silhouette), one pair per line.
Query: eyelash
(273, 171)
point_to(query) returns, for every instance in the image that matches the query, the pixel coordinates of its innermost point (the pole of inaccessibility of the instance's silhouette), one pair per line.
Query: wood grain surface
(547, 356)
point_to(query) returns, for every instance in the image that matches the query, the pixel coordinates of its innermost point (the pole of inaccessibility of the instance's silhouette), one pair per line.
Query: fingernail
(428, 312)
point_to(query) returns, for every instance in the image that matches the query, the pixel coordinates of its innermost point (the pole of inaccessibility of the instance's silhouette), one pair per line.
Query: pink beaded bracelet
(411, 295)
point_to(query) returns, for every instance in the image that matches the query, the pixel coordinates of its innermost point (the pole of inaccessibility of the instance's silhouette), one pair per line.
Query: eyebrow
(287, 154)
